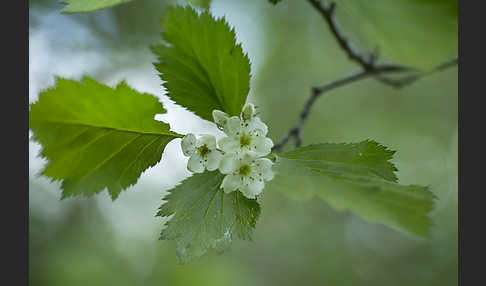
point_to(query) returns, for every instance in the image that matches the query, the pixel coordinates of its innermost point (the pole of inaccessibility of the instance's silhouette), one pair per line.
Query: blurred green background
(94, 241)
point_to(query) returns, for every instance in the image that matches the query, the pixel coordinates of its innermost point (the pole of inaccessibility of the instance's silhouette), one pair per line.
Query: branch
(295, 131)
(407, 80)
(369, 68)
(376, 72)
(327, 12)
(368, 62)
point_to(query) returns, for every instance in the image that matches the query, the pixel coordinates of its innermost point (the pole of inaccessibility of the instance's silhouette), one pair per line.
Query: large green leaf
(204, 217)
(201, 65)
(355, 177)
(367, 158)
(95, 136)
(419, 33)
(79, 6)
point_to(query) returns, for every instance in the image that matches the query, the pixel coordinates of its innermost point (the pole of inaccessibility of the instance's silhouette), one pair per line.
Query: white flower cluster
(240, 153)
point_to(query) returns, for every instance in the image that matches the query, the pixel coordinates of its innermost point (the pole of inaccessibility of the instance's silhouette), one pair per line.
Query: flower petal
(213, 159)
(248, 157)
(195, 164)
(233, 126)
(229, 144)
(188, 144)
(252, 189)
(257, 126)
(231, 183)
(229, 163)
(263, 169)
(208, 140)
(261, 145)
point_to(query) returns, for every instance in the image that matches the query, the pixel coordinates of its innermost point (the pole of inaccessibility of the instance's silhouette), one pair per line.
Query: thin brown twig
(295, 131)
(407, 80)
(369, 68)
(368, 62)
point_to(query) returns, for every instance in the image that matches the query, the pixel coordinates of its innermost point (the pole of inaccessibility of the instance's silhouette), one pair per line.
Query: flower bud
(220, 118)
(248, 111)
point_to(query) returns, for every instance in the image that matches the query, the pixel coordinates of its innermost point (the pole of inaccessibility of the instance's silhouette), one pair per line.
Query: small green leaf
(80, 6)
(97, 137)
(204, 217)
(356, 177)
(201, 65)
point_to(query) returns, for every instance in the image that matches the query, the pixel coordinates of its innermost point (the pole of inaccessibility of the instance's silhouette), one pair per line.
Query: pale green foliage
(202, 66)
(204, 217)
(419, 33)
(79, 6)
(356, 177)
(95, 136)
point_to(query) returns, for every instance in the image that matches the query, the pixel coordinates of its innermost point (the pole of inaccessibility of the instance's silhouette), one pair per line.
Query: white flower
(240, 153)
(245, 173)
(243, 138)
(202, 152)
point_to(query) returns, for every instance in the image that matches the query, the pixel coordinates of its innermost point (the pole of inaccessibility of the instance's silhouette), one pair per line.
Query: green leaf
(202, 66)
(367, 158)
(80, 6)
(204, 217)
(274, 1)
(418, 33)
(97, 137)
(356, 177)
